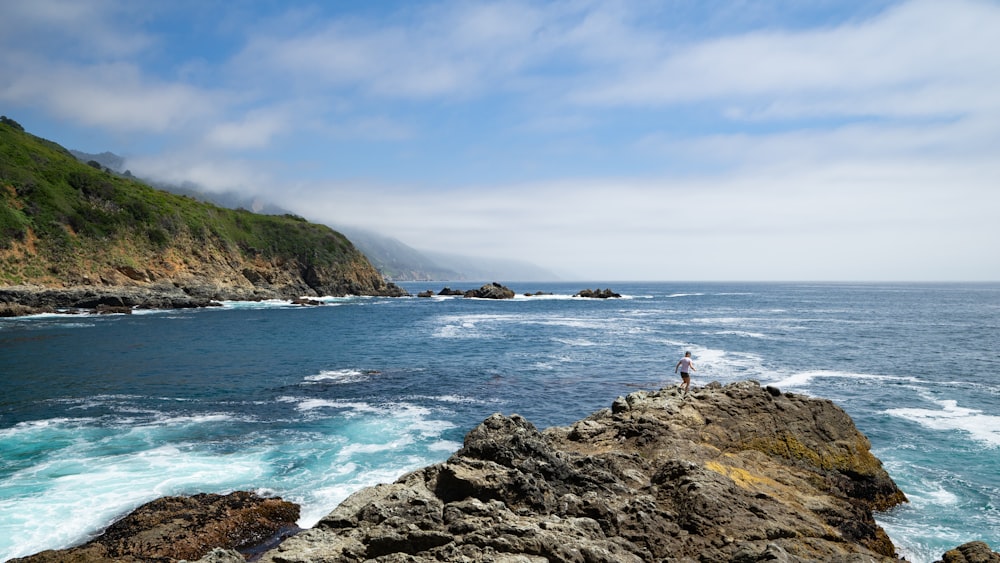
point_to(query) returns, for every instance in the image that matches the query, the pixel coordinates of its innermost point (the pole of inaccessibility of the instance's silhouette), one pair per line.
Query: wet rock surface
(184, 528)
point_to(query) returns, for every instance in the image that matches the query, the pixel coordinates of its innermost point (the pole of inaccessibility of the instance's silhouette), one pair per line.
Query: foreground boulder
(736, 473)
(972, 552)
(185, 528)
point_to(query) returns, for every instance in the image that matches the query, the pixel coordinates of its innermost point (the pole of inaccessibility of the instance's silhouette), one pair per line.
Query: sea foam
(984, 428)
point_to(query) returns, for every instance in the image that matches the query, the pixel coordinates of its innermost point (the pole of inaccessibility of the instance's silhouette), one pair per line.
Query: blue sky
(602, 140)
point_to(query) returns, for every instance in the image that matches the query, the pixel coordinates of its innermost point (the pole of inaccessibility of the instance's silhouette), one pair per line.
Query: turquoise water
(101, 414)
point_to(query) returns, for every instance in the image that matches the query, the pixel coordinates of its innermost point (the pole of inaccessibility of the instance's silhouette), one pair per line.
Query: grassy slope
(62, 221)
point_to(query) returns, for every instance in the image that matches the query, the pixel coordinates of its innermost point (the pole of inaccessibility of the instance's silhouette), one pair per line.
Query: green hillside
(65, 223)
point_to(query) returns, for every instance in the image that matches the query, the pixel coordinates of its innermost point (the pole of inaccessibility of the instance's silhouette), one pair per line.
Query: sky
(835, 140)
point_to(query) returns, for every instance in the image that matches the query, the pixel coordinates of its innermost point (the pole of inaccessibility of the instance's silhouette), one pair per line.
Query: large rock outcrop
(735, 473)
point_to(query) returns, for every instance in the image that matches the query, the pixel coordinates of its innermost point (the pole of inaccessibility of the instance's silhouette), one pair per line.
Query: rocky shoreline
(31, 299)
(738, 473)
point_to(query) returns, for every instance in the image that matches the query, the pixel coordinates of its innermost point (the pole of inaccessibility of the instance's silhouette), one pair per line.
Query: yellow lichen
(742, 477)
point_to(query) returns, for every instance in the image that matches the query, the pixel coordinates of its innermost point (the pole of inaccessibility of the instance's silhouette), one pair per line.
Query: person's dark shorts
(685, 375)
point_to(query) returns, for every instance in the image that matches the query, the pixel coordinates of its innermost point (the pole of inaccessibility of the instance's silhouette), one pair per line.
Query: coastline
(22, 300)
(738, 472)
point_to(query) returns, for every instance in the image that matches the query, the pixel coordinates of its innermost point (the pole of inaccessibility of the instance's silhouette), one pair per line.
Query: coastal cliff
(72, 235)
(734, 473)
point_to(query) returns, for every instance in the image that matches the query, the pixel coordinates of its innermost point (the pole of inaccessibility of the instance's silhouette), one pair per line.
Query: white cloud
(863, 149)
(113, 96)
(78, 28)
(256, 129)
(920, 58)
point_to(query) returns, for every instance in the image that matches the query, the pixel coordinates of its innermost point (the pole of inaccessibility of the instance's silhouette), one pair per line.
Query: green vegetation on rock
(65, 223)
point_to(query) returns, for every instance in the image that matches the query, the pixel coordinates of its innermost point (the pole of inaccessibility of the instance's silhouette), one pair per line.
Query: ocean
(100, 414)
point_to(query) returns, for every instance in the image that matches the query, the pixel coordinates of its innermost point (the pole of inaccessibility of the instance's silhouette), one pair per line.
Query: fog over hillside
(394, 258)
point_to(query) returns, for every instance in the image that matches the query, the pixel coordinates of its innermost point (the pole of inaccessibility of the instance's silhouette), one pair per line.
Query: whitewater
(100, 414)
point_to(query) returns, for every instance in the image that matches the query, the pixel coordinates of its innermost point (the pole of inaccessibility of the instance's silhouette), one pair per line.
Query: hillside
(66, 224)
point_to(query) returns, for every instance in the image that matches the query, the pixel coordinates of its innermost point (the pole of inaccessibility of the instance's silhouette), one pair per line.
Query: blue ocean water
(99, 414)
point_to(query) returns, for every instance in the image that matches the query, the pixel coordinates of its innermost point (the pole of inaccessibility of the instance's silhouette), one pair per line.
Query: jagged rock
(427, 293)
(972, 552)
(113, 309)
(491, 291)
(598, 294)
(732, 473)
(173, 528)
(219, 555)
(450, 291)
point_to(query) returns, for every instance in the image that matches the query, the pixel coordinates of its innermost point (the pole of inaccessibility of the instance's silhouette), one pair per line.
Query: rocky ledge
(735, 473)
(206, 526)
(29, 299)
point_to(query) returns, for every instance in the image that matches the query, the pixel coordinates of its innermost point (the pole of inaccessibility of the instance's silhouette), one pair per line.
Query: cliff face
(734, 473)
(64, 224)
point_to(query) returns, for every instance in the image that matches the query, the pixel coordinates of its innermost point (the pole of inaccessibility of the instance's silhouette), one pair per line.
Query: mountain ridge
(67, 224)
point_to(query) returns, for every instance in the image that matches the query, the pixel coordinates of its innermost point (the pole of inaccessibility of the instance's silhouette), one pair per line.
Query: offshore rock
(598, 294)
(733, 473)
(491, 291)
(184, 528)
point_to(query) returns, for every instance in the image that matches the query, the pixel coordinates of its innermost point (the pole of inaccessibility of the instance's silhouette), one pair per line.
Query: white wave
(675, 295)
(543, 297)
(446, 399)
(340, 376)
(981, 427)
(314, 404)
(352, 450)
(463, 330)
(803, 379)
(444, 446)
(264, 304)
(744, 333)
(112, 485)
(575, 341)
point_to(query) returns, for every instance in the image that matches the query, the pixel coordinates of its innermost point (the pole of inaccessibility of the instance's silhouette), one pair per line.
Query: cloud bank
(611, 140)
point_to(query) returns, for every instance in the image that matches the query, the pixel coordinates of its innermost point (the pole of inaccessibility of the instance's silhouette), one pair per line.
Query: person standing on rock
(686, 365)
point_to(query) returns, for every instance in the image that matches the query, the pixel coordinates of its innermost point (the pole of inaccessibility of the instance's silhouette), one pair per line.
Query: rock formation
(598, 293)
(176, 528)
(491, 291)
(488, 291)
(735, 473)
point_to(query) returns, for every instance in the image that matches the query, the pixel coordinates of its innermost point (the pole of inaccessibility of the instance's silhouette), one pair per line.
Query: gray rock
(732, 473)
